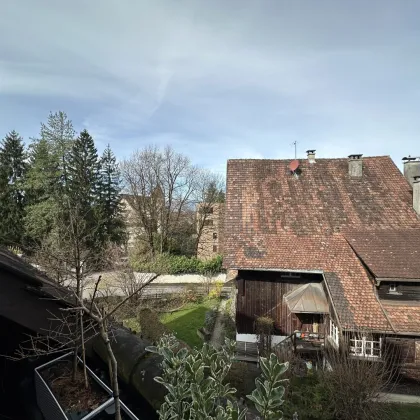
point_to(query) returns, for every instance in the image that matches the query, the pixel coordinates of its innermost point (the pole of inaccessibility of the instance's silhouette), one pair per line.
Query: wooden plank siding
(405, 291)
(261, 294)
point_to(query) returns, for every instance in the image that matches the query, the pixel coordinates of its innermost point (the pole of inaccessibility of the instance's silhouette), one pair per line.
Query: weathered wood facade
(399, 291)
(261, 293)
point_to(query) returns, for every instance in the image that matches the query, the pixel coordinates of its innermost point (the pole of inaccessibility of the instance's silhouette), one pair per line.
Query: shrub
(216, 290)
(151, 327)
(178, 264)
(264, 330)
(242, 376)
(212, 266)
(15, 249)
(307, 397)
(192, 294)
(196, 385)
(210, 320)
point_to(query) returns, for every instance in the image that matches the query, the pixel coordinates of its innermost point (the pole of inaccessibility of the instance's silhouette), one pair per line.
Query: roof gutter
(395, 279)
(404, 334)
(287, 270)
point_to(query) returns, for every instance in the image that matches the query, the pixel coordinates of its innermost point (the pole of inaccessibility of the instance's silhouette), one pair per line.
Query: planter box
(51, 408)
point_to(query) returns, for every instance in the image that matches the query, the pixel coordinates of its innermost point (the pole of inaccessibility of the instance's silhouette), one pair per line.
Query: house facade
(210, 222)
(329, 249)
(142, 210)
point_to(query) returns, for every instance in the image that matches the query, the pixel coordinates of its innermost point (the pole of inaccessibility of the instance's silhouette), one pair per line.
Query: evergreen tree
(83, 185)
(12, 197)
(214, 194)
(40, 189)
(59, 133)
(83, 171)
(47, 176)
(110, 198)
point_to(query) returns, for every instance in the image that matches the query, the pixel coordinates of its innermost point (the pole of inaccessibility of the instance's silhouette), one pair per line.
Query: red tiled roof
(404, 318)
(389, 253)
(278, 221)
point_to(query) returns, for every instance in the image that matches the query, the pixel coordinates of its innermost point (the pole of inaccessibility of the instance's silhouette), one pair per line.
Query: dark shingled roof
(32, 276)
(275, 220)
(389, 253)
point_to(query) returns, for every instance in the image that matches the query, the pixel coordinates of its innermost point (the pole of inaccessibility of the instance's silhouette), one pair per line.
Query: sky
(217, 79)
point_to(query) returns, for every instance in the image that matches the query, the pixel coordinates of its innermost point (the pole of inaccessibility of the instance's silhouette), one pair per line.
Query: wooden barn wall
(402, 349)
(405, 291)
(261, 294)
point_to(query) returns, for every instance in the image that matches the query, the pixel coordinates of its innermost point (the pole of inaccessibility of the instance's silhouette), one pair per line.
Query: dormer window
(392, 288)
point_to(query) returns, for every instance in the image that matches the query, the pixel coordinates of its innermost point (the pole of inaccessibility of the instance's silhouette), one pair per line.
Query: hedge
(179, 264)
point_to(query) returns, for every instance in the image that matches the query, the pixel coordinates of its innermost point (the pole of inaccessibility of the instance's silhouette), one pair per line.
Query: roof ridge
(304, 158)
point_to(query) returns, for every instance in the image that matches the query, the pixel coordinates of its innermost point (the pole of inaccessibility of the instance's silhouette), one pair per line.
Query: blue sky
(218, 79)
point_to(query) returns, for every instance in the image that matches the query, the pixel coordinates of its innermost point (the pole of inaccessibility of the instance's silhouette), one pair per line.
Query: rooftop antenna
(295, 144)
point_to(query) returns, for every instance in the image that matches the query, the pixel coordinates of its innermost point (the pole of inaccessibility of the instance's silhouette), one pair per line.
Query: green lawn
(407, 412)
(186, 322)
(132, 323)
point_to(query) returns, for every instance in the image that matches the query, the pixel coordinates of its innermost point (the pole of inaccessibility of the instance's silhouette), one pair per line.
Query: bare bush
(264, 328)
(353, 384)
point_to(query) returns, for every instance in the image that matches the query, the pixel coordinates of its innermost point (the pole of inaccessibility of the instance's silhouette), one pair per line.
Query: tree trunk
(113, 363)
(109, 360)
(82, 337)
(74, 370)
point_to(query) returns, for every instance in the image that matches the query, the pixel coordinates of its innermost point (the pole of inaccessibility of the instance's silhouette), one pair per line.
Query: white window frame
(392, 288)
(334, 333)
(366, 348)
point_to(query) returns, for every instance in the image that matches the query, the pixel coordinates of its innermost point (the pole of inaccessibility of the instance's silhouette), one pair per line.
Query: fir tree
(214, 194)
(47, 177)
(12, 197)
(59, 133)
(83, 170)
(83, 186)
(40, 189)
(110, 198)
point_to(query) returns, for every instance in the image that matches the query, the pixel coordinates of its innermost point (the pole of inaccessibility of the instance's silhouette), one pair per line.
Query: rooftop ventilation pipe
(311, 156)
(411, 168)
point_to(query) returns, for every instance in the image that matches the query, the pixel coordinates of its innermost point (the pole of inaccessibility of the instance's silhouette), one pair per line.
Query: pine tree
(12, 197)
(110, 198)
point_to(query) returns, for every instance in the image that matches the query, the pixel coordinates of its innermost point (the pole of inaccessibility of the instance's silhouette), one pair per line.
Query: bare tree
(89, 318)
(102, 317)
(68, 255)
(163, 189)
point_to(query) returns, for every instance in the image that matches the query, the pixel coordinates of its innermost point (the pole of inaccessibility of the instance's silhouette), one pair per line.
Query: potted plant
(59, 396)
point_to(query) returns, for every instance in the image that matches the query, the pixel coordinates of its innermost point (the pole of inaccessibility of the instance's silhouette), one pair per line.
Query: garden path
(217, 337)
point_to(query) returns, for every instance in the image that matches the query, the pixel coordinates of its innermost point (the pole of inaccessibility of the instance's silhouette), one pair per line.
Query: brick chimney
(355, 166)
(416, 194)
(311, 156)
(411, 168)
